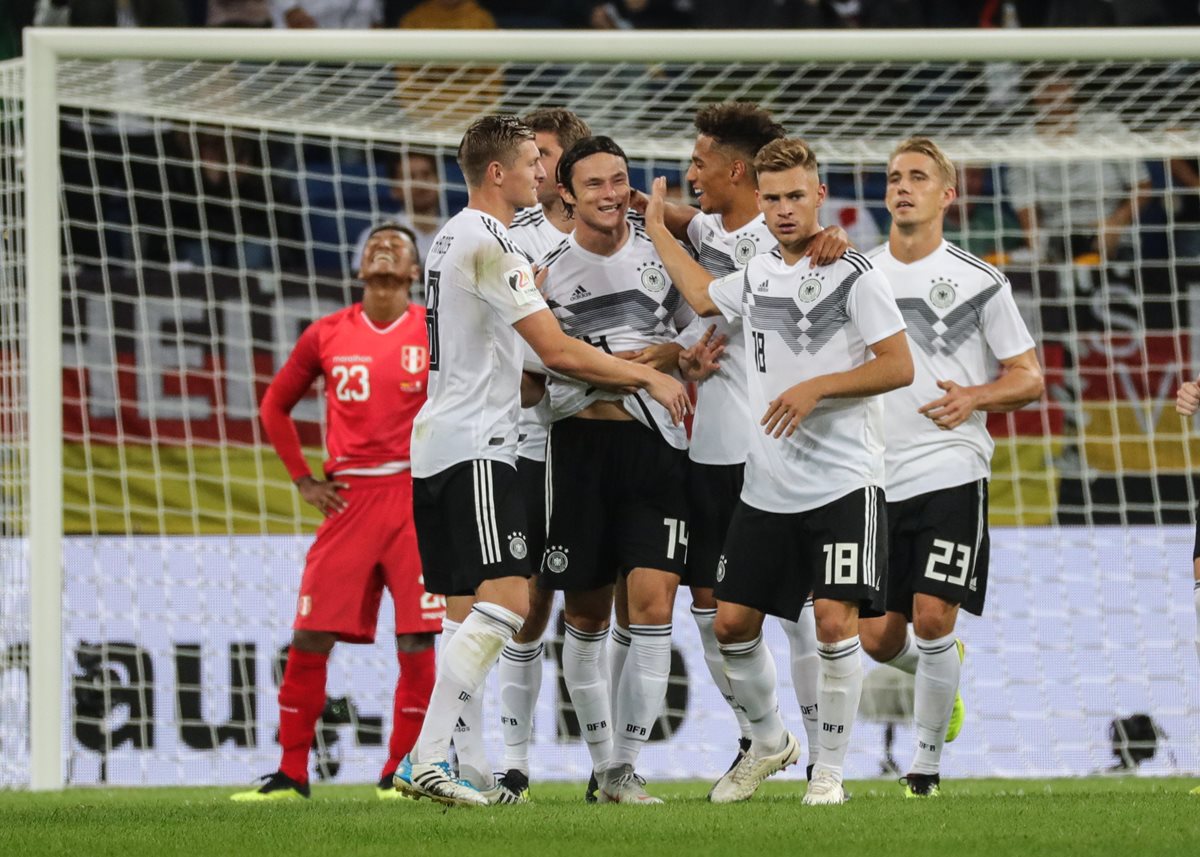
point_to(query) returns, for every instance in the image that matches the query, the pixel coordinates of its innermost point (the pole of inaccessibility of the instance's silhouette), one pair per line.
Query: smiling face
(789, 200)
(917, 193)
(520, 180)
(599, 191)
(711, 173)
(389, 254)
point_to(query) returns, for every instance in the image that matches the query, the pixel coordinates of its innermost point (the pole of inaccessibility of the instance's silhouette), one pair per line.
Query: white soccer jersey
(802, 322)
(622, 302)
(719, 433)
(957, 309)
(537, 236)
(478, 285)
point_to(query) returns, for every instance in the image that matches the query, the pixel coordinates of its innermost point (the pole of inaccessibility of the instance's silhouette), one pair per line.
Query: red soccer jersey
(375, 382)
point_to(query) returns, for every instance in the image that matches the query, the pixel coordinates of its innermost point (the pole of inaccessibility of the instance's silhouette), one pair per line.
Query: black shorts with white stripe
(938, 545)
(533, 490)
(470, 526)
(773, 560)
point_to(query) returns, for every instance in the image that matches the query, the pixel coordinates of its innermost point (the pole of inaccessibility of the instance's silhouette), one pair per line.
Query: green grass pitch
(975, 818)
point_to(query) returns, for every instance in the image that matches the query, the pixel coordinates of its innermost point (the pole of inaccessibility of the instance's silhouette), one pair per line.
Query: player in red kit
(374, 359)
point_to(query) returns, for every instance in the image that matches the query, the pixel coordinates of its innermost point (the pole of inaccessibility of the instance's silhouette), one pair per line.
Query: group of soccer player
(835, 477)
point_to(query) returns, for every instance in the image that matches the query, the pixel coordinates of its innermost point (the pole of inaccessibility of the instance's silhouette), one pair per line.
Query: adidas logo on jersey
(580, 293)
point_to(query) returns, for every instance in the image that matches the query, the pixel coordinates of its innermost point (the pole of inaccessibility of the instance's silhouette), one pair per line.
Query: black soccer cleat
(275, 787)
(922, 785)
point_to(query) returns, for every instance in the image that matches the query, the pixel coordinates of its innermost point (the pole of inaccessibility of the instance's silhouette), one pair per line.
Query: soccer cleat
(959, 712)
(1195, 791)
(742, 781)
(437, 783)
(622, 785)
(592, 793)
(825, 789)
(386, 789)
(743, 749)
(276, 786)
(511, 787)
(922, 785)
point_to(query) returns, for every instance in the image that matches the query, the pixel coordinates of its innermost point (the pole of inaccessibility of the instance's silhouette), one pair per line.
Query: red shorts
(357, 552)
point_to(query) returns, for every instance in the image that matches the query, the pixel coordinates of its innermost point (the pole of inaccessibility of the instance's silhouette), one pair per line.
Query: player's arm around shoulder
(686, 273)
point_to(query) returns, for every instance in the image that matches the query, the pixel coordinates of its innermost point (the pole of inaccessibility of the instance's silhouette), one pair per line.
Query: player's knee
(411, 644)
(933, 618)
(734, 628)
(319, 642)
(703, 599)
(836, 621)
(541, 604)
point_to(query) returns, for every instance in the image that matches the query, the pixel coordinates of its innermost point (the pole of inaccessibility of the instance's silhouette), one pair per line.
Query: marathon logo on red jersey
(414, 358)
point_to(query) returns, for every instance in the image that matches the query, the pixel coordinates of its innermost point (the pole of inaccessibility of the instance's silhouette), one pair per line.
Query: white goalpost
(176, 205)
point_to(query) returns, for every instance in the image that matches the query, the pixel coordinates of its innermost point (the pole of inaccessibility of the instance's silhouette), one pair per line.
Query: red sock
(417, 673)
(301, 701)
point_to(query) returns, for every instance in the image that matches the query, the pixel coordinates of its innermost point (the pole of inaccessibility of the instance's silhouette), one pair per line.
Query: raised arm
(687, 275)
(676, 215)
(1020, 383)
(892, 368)
(567, 356)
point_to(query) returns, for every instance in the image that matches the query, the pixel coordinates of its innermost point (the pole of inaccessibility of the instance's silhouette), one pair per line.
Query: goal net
(209, 209)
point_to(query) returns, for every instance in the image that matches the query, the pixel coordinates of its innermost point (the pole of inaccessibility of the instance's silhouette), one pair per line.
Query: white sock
(1196, 597)
(716, 664)
(588, 687)
(806, 673)
(642, 691)
(468, 730)
(933, 700)
(520, 678)
(908, 656)
(751, 673)
(465, 661)
(841, 690)
(618, 651)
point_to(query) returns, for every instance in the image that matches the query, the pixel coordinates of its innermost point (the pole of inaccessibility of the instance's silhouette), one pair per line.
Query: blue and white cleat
(436, 782)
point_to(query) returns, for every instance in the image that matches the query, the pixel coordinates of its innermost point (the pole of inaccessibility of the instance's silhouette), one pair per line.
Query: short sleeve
(872, 308)
(504, 279)
(1003, 328)
(691, 334)
(729, 292)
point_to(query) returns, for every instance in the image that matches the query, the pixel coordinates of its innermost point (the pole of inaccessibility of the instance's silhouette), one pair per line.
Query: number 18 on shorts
(772, 560)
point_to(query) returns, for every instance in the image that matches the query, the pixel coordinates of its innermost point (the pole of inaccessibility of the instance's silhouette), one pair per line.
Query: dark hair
(562, 123)
(488, 139)
(739, 125)
(584, 148)
(393, 226)
(395, 160)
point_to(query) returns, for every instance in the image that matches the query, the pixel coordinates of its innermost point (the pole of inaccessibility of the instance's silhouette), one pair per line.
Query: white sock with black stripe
(519, 675)
(909, 656)
(751, 673)
(642, 691)
(806, 673)
(716, 664)
(588, 688)
(1196, 598)
(933, 700)
(464, 664)
(841, 690)
(618, 651)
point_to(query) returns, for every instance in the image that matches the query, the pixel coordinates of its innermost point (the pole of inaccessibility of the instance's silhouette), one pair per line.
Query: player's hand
(786, 412)
(322, 494)
(1187, 400)
(656, 206)
(827, 246)
(664, 356)
(952, 409)
(669, 393)
(701, 360)
(638, 201)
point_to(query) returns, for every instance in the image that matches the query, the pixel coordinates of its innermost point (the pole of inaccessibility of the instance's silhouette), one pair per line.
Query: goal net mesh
(209, 211)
